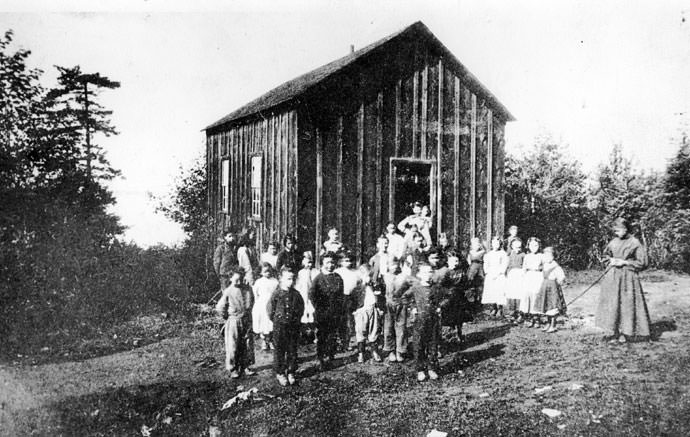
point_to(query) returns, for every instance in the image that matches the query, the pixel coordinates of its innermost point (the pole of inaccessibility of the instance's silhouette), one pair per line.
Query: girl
(532, 266)
(455, 307)
(263, 289)
(514, 278)
(367, 315)
(622, 310)
(271, 254)
(246, 255)
(332, 244)
(495, 265)
(425, 225)
(305, 277)
(550, 299)
(475, 272)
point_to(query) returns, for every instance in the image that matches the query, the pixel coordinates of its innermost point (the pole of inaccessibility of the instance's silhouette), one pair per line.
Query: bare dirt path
(38, 399)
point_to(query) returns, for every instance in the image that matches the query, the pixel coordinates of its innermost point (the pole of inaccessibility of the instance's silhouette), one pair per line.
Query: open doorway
(411, 181)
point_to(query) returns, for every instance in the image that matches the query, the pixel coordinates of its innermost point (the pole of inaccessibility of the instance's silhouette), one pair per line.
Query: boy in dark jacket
(285, 309)
(327, 296)
(289, 256)
(425, 299)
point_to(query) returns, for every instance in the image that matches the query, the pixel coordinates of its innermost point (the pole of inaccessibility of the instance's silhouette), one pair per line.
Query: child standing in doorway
(495, 266)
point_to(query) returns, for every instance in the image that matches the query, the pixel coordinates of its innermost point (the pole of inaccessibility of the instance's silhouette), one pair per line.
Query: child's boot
(375, 353)
(360, 355)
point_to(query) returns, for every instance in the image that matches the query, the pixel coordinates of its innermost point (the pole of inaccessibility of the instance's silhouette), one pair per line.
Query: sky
(589, 74)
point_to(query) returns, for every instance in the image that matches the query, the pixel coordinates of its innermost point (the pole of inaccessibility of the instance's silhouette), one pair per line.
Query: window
(224, 183)
(256, 187)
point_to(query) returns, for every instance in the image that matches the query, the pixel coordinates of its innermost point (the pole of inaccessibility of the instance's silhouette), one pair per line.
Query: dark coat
(327, 296)
(291, 259)
(224, 259)
(285, 307)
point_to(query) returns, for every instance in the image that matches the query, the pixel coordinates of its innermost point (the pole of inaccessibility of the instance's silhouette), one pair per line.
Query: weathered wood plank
(473, 168)
(424, 110)
(456, 160)
(318, 229)
(360, 180)
(339, 175)
(439, 150)
(398, 122)
(295, 174)
(286, 189)
(379, 148)
(489, 174)
(415, 113)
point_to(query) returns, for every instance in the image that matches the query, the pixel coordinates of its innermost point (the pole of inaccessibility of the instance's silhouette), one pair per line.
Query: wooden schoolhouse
(354, 143)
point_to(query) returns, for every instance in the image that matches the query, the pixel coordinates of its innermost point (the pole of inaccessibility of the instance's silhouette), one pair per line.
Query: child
(622, 310)
(550, 299)
(289, 256)
(225, 257)
(512, 235)
(305, 278)
(495, 265)
(455, 307)
(263, 289)
(533, 277)
(332, 244)
(326, 294)
(271, 255)
(514, 276)
(475, 272)
(285, 308)
(246, 255)
(425, 303)
(396, 242)
(367, 317)
(351, 280)
(233, 306)
(425, 225)
(395, 318)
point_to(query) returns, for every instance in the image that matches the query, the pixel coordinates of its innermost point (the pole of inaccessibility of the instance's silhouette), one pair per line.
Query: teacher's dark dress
(622, 308)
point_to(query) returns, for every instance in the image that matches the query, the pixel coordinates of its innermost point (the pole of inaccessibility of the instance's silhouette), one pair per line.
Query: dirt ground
(498, 384)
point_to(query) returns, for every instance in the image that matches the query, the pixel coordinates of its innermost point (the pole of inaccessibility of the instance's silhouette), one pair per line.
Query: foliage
(188, 206)
(546, 198)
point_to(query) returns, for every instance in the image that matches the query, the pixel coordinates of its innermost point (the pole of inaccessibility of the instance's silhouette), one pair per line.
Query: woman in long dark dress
(622, 311)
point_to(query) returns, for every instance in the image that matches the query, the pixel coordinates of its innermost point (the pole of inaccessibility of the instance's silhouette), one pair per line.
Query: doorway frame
(392, 177)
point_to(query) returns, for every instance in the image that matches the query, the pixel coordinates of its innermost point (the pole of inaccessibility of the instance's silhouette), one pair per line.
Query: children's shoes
(433, 375)
(360, 357)
(399, 358)
(249, 372)
(391, 357)
(376, 356)
(234, 374)
(291, 379)
(282, 380)
(421, 376)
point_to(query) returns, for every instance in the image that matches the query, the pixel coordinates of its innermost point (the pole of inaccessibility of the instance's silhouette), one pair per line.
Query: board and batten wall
(429, 113)
(274, 138)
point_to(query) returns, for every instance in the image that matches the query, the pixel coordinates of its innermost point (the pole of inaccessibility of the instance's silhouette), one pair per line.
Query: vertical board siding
(473, 167)
(377, 161)
(415, 113)
(489, 175)
(319, 194)
(424, 97)
(481, 172)
(499, 176)
(456, 162)
(339, 175)
(439, 150)
(360, 181)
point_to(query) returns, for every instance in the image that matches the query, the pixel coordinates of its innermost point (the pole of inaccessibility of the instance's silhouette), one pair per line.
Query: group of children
(406, 291)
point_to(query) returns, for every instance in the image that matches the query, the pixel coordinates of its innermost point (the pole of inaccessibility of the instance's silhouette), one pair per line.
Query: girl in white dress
(532, 266)
(263, 290)
(271, 254)
(305, 277)
(495, 266)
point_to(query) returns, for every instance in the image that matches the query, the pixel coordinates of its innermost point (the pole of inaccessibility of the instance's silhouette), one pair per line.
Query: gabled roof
(294, 88)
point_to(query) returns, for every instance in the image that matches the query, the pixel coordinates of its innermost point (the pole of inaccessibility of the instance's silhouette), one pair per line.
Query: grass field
(498, 384)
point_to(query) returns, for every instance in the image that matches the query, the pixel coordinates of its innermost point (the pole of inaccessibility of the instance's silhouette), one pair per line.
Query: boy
(350, 281)
(379, 262)
(224, 258)
(289, 256)
(326, 294)
(234, 306)
(395, 319)
(367, 317)
(285, 309)
(425, 304)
